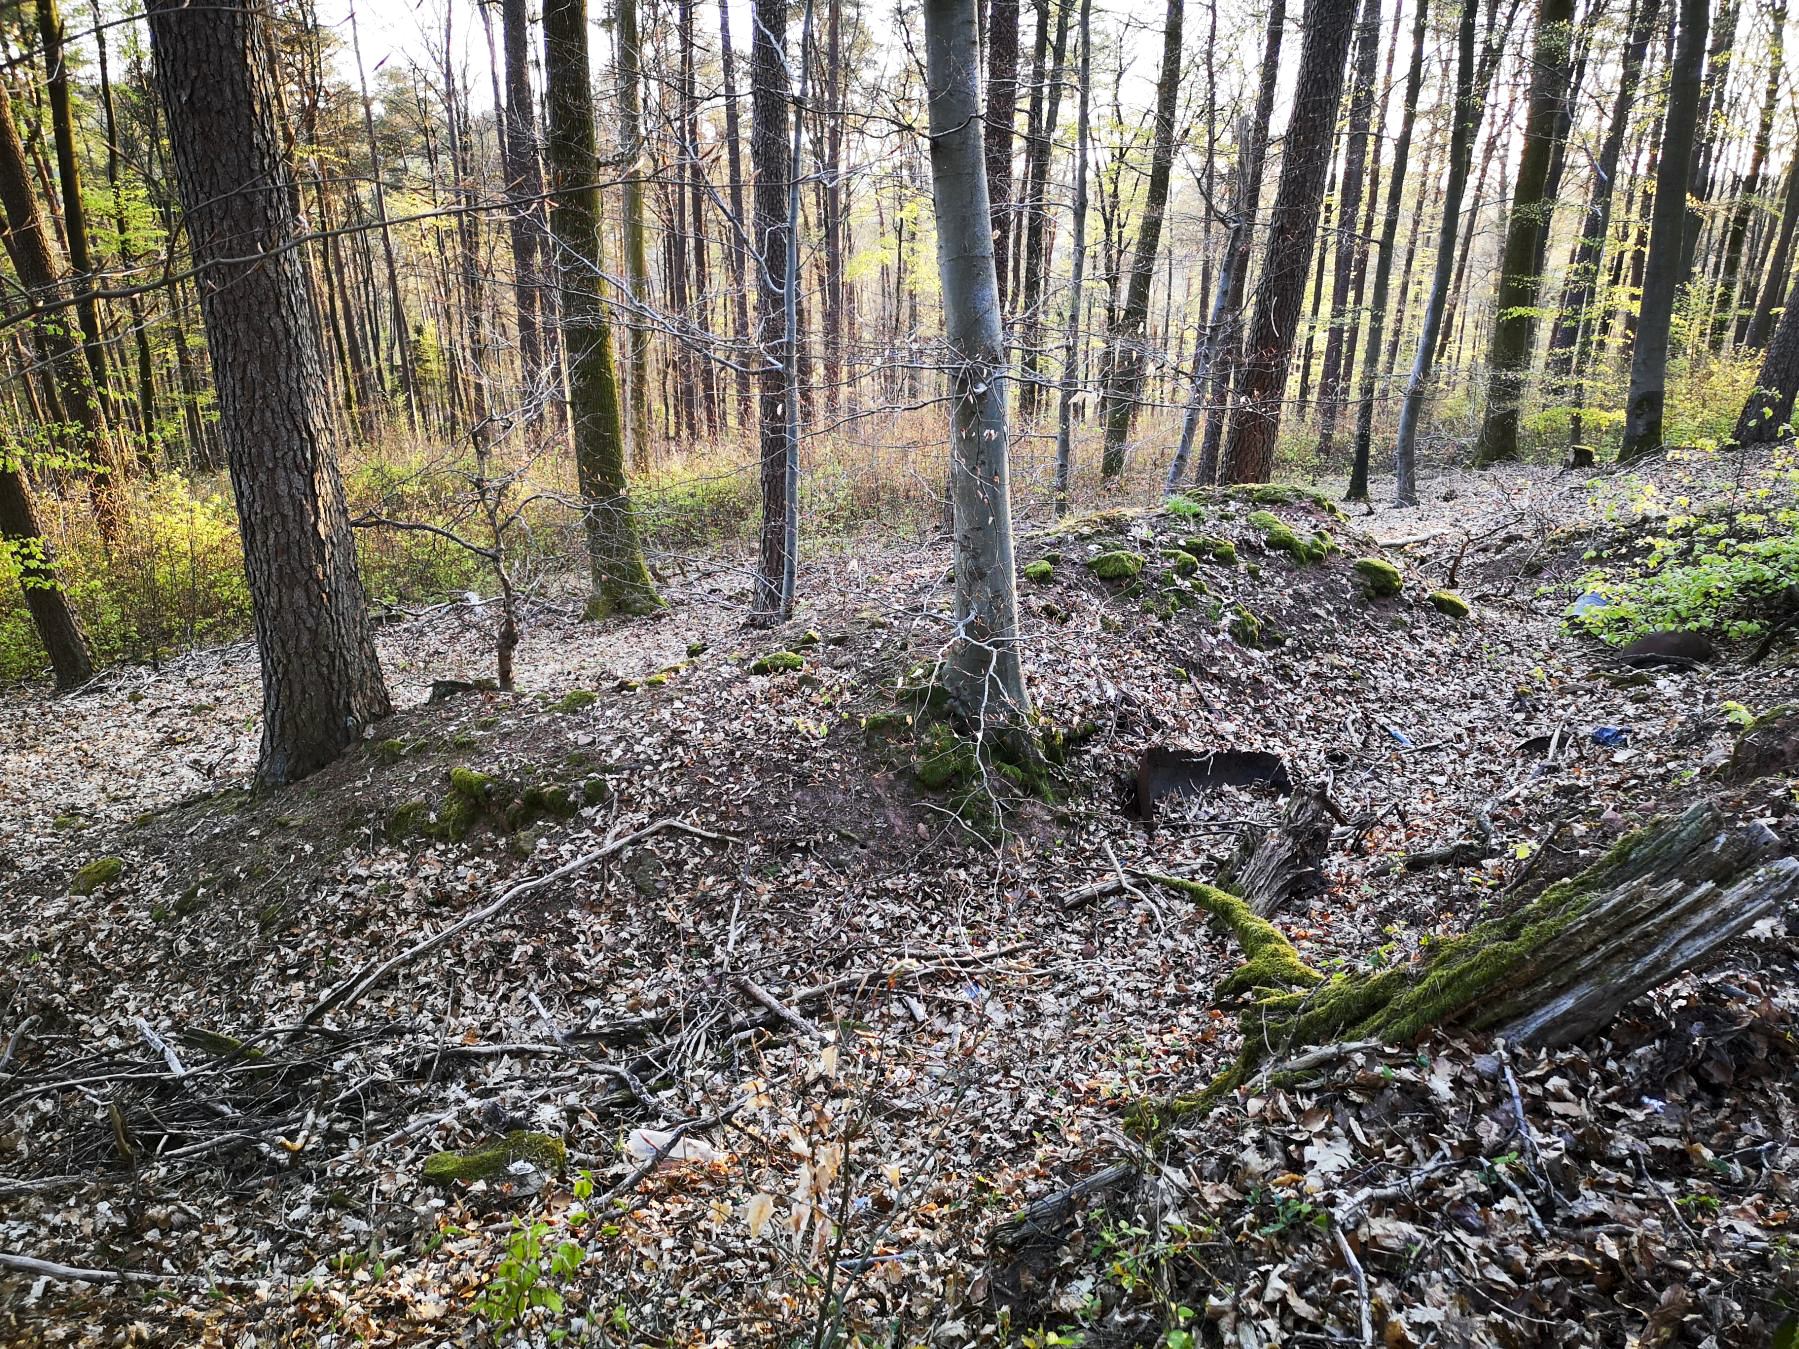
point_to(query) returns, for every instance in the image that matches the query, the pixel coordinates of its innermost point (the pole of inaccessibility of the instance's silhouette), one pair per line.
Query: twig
(26, 1264)
(779, 1008)
(360, 984)
(1361, 1283)
(675, 1135)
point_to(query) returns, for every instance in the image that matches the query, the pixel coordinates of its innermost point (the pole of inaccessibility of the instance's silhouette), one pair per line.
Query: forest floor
(806, 1041)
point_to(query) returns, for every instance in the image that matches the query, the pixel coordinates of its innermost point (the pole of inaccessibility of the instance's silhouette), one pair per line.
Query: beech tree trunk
(1732, 317)
(620, 580)
(1071, 333)
(1128, 339)
(1255, 422)
(985, 678)
(1520, 278)
(739, 222)
(1662, 269)
(321, 680)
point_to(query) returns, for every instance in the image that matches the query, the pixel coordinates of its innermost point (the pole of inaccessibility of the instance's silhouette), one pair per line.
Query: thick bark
(1332, 380)
(620, 580)
(1129, 336)
(1520, 278)
(771, 244)
(1383, 267)
(83, 439)
(1255, 422)
(1768, 414)
(1662, 270)
(985, 677)
(321, 680)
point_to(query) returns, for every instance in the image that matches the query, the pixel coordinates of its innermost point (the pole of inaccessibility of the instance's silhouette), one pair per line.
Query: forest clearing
(959, 673)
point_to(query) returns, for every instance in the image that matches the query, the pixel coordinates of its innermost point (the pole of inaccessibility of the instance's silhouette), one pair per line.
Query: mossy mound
(1250, 629)
(1767, 745)
(475, 797)
(1380, 578)
(491, 1161)
(1041, 572)
(777, 662)
(1281, 494)
(1448, 602)
(574, 700)
(1119, 564)
(945, 758)
(1180, 561)
(101, 871)
(1280, 537)
(1221, 551)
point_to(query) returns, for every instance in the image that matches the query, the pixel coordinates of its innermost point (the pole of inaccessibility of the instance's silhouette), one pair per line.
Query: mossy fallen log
(1555, 970)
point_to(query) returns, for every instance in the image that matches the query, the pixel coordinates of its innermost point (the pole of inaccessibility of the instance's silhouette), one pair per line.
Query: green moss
(490, 1161)
(63, 822)
(101, 871)
(1183, 506)
(220, 1045)
(1380, 578)
(574, 700)
(1279, 536)
(885, 723)
(409, 819)
(390, 751)
(1119, 564)
(1248, 629)
(807, 640)
(596, 791)
(657, 680)
(945, 758)
(695, 648)
(1269, 961)
(1181, 561)
(777, 662)
(1448, 602)
(1042, 571)
(1221, 551)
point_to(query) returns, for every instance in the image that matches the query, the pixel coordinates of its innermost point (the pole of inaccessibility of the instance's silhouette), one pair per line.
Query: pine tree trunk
(620, 580)
(321, 680)
(985, 678)
(1128, 338)
(1255, 422)
(1520, 278)
(1662, 269)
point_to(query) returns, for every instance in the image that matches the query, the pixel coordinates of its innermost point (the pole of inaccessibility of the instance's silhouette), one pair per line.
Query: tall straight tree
(321, 680)
(770, 245)
(620, 580)
(1002, 108)
(1255, 421)
(1470, 99)
(637, 267)
(24, 546)
(524, 184)
(1383, 267)
(1130, 334)
(739, 254)
(1036, 215)
(1520, 275)
(985, 675)
(1774, 286)
(1728, 319)
(1662, 269)
(1071, 332)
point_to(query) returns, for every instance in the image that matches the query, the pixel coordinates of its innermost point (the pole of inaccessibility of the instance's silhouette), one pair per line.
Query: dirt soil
(805, 1042)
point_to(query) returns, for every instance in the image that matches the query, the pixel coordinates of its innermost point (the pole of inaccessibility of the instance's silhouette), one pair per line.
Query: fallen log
(1660, 902)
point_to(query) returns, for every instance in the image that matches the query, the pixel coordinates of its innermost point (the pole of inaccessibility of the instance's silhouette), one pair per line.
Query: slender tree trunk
(83, 439)
(739, 222)
(1768, 413)
(831, 218)
(1002, 109)
(321, 680)
(1520, 276)
(1037, 221)
(524, 186)
(771, 238)
(1468, 105)
(52, 614)
(1128, 339)
(1774, 283)
(985, 677)
(1334, 379)
(1662, 270)
(401, 328)
(1255, 422)
(621, 581)
(1706, 127)
(1732, 318)
(1078, 270)
(1383, 267)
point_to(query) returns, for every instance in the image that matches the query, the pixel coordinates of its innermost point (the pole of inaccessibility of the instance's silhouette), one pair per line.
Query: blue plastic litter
(1400, 736)
(1611, 736)
(1591, 600)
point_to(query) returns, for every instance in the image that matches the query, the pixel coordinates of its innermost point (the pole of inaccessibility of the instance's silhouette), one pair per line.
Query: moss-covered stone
(392, 750)
(1448, 602)
(1380, 578)
(885, 723)
(1279, 537)
(574, 700)
(1041, 572)
(1180, 561)
(101, 871)
(1221, 551)
(777, 662)
(1119, 564)
(695, 648)
(408, 820)
(491, 1161)
(596, 791)
(1247, 628)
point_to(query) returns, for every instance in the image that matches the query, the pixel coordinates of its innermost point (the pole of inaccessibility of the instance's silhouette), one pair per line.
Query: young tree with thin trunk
(1729, 319)
(321, 680)
(984, 675)
(620, 579)
(1520, 274)
(1045, 113)
(1077, 271)
(1469, 103)
(1383, 267)
(637, 267)
(24, 546)
(1774, 285)
(771, 244)
(1255, 421)
(1662, 266)
(739, 222)
(1126, 356)
(1002, 108)
(524, 184)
